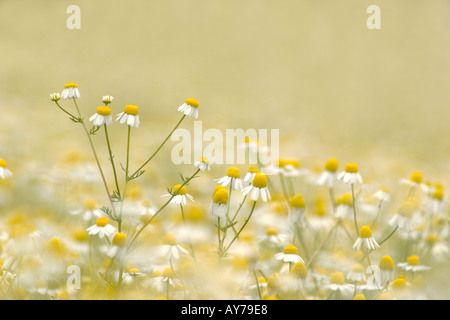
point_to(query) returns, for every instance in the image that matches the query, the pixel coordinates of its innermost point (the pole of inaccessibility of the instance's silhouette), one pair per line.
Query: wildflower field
(112, 187)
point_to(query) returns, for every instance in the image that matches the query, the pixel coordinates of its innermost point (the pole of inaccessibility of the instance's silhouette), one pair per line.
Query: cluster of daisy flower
(243, 232)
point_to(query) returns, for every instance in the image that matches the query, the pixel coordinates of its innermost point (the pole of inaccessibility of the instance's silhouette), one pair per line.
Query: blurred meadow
(310, 68)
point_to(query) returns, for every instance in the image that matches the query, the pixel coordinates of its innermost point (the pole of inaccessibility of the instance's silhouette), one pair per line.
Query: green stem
(257, 285)
(354, 210)
(240, 230)
(95, 156)
(67, 112)
(111, 158)
(160, 209)
(159, 148)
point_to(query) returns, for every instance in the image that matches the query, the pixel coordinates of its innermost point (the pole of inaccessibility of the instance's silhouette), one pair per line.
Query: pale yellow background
(309, 68)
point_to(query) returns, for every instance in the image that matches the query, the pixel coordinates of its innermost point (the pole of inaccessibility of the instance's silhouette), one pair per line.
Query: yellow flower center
(290, 249)
(293, 162)
(297, 201)
(299, 270)
(3, 163)
(274, 280)
(89, 205)
(416, 177)
(70, 85)
(221, 196)
(169, 239)
(134, 270)
(337, 277)
(357, 267)
(180, 189)
(413, 260)
(399, 283)
(192, 102)
(260, 180)
(131, 109)
(204, 160)
(386, 263)
(406, 209)
(104, 111)
(384, 189)
(168, 273)
(346, 199)
(438, 194)
(253, 170)
(271, 231)
(120, 239)
(146, 203)
(101, 222)
(233, 172)
(365, 232)
(359, 296)
(351, 168)
(331, 165)
(431, 238)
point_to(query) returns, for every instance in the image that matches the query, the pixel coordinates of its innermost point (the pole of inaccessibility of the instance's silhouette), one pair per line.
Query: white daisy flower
(4, 171)
(413, 264)
(190, 108)
(170, 247)
(357, 273)
(273, 236)
(88, 211)
(202, 164)
(329, 175)
(101, 228)
(386, 273)
(344, 206)
(220, 202)
(232, 177)
(55, 96)
(107, 99)
(102, 116)
(290, 254)
(365, 239)
(129, 116)
(181, 195)
(297, 208)
(337, 283)
(350, 175)
(258, 186)
(70, 91)
(169, 276)
(404, 216)
(118, 245)
(382, 194)
(252, 171)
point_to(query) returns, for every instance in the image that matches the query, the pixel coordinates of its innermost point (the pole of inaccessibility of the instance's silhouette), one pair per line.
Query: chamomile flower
(101, 228)
(357, 273)
(251, 172)
(202, 164)
(365, 239)
(220, 202)
(232, 177)
(350, 175)
(118, 245)
(337, 283)
(129, 116)
(169, 276)
(4, 171)
(386, 273)
(170, 247)
(413, 264)
(181, 195)
(190, 108)
(88, 211)
(297, 208)
(102, 116)
(329, 175)
(107, 99)
(290, 254)
(70, 91)
(258, 186)
(55, 96)
(403, 216)
(414, 181)
(344, 206)
(273, 236)
(382, 194)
